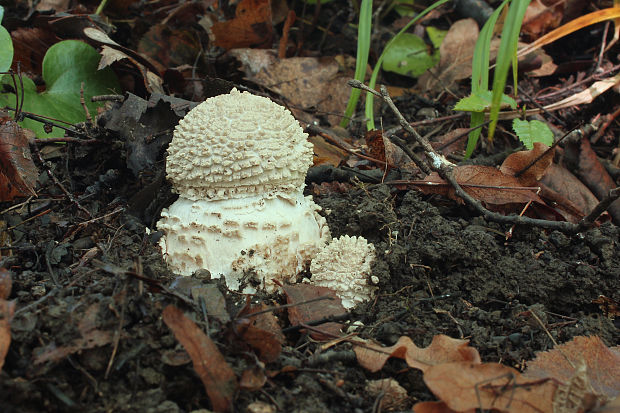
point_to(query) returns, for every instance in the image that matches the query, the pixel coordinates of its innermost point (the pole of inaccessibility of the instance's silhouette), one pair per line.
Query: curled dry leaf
(443, 349)
(518, 161)
(216, 375)
(18, 174)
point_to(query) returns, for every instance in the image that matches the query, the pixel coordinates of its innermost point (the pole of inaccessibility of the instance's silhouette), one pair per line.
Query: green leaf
(1, 13)
(409, 56)
(436, 35)
(532, 131)
(65, 66)
(404, 8)
(6, 50)
(481, 101)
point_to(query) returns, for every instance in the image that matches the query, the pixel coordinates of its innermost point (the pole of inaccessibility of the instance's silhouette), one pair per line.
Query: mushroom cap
(344, 266)
(237, 145)
(265, 238)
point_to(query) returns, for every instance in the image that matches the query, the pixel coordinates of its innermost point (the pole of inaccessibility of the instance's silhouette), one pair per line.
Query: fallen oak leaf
(603, 364)
(216, 375)
(443, 349)
(465, 386)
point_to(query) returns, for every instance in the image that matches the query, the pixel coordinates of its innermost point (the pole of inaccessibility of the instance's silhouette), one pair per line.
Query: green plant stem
(364, 31)
(101, 7)
(370, 122)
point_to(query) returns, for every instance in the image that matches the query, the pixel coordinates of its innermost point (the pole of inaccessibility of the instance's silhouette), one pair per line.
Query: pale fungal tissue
(344, 266)
(238, 162)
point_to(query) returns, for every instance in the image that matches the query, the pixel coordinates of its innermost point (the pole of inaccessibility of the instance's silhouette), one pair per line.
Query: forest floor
(90, 284)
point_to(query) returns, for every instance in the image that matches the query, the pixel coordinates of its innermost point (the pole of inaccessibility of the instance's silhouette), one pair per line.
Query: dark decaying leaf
(146, 126)
(18, 174)
(261, 332)
(216, 375)
(315, 310)
(90, 337)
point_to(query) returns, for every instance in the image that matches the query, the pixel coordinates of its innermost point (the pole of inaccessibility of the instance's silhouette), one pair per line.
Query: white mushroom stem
(254, 235)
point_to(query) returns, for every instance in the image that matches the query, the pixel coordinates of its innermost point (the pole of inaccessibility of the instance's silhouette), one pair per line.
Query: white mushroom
(238, 162)
(344, 266)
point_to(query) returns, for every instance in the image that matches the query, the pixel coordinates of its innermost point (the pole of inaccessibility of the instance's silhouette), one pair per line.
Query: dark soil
(88, 336)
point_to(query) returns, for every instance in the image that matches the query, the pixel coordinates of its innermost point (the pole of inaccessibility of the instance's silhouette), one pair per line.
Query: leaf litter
(444, 273)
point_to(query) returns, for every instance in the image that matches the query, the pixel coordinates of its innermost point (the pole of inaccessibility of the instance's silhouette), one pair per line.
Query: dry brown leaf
(562, 181)
(252, 379)
(5, 283)
(18, 174)
(456, 53)
(251, 27)
(307, 83)
(446, 143)
(443, 349)
(315, 310)
(325, 153)
(261, 332)
(609, 306)
(216, 375)
(7, 309)
(30, 45)
(90, 337)
(465, 386)
(393, 395)
(603, 364)
(542, 16)
(517, 161)
(484, 183)
(436, 407)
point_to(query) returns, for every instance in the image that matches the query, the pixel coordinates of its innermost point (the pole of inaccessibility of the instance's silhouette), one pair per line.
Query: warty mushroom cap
(235, 145)
(344, 266)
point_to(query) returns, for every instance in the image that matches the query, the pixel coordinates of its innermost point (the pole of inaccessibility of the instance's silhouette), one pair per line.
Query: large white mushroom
(238, 162)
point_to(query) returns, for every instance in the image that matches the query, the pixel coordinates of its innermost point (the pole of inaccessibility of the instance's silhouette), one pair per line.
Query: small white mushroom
(344, 266)
(238, 162)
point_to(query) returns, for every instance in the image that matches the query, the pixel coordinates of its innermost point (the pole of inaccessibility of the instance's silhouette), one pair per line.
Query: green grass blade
(507, 49)
(370, 123)
(480, 74)
(364, 31)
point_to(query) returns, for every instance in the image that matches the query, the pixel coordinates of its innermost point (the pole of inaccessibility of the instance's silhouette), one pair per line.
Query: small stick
(89, 119)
